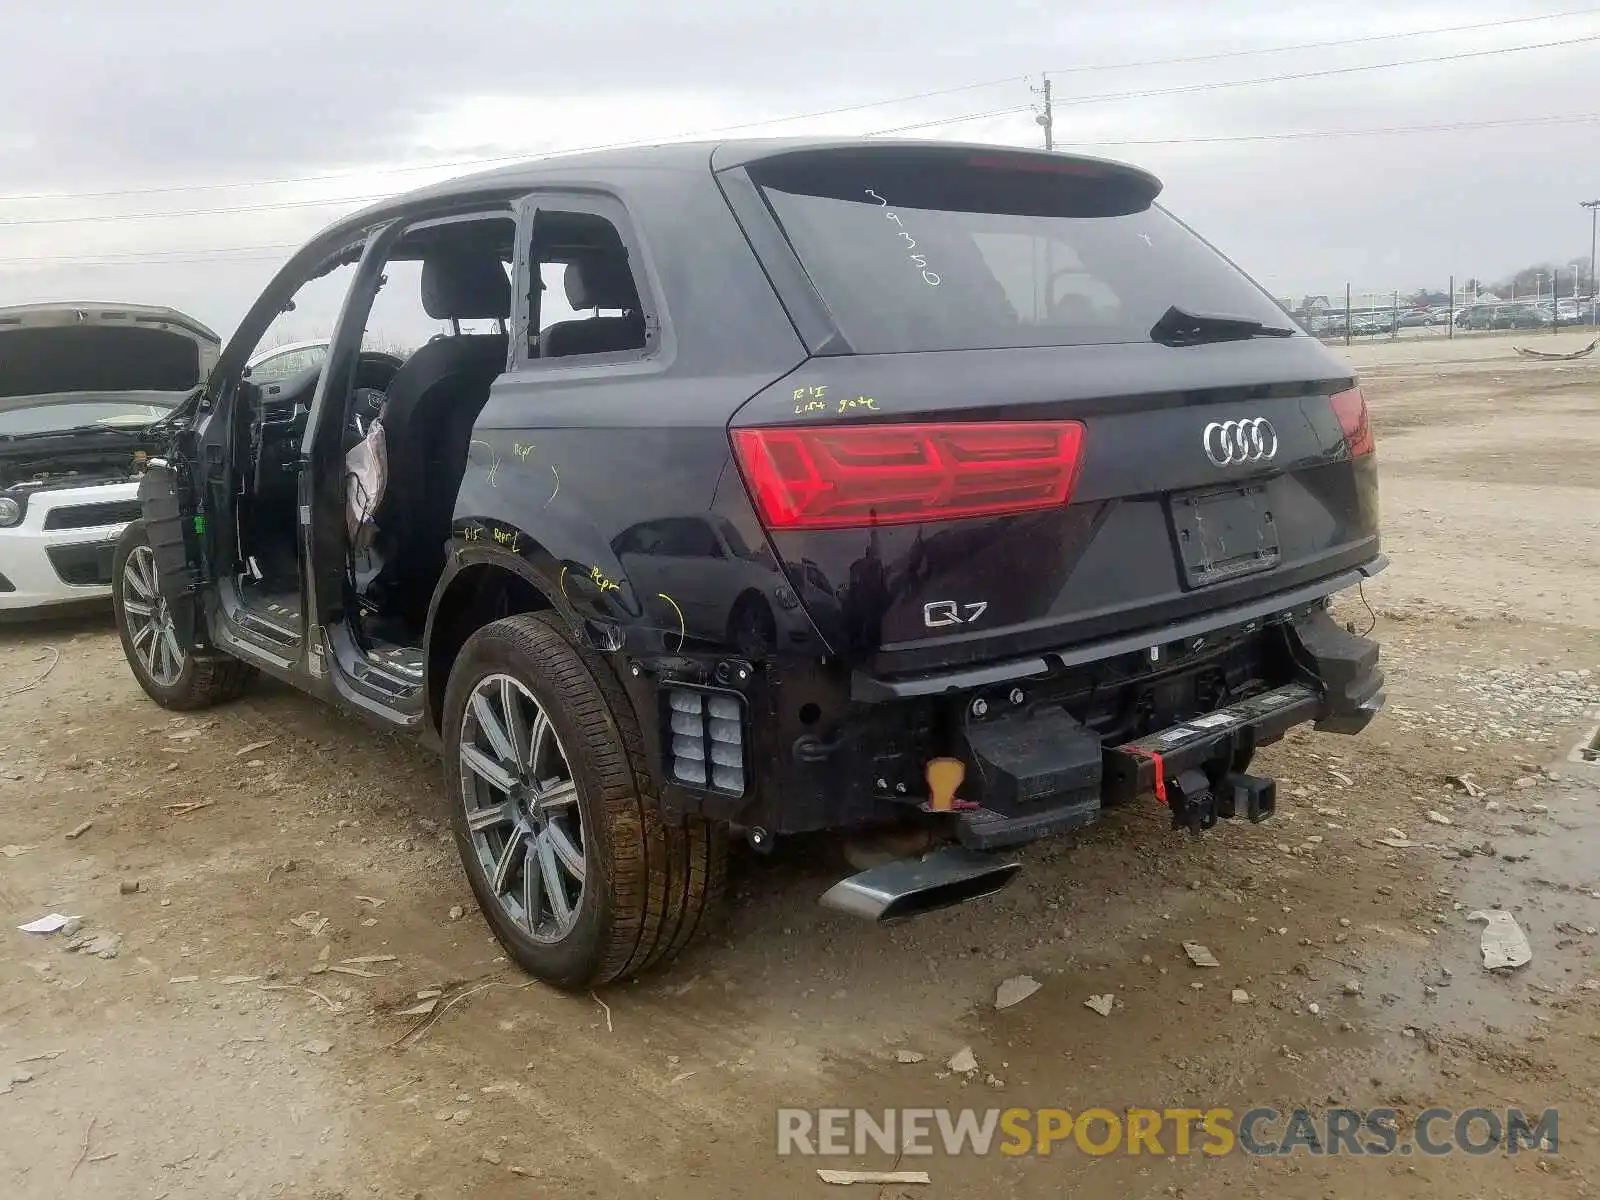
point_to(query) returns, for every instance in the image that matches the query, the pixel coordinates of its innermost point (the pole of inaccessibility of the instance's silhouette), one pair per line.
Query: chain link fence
(1347, 313)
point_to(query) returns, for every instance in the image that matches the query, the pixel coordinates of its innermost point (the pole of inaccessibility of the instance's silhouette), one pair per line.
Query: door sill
(274, 617)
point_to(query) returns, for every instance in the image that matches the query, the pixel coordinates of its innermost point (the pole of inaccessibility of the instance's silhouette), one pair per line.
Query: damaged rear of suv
(1084, 522)
(854, 485)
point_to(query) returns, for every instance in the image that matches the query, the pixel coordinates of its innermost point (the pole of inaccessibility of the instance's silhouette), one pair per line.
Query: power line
(1233, 83)
(164, 214)
(1355, 41)
(993, 112)
(500, 159)
(153, 257)
(282, 205)
(169, 189)
(1188, 88)
(1450, 127)
(277, 259)
(1443, 127)
(746, 125)
(287, 205)
(250, 253)
(243, 253)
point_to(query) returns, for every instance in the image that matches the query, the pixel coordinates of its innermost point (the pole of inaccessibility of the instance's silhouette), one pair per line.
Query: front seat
(597, 279)
(432, 403)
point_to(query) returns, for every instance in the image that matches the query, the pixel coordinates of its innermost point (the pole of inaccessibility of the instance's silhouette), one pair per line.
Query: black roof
(718, 154)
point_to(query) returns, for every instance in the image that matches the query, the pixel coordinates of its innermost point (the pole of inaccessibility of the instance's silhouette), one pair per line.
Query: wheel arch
(475, 590)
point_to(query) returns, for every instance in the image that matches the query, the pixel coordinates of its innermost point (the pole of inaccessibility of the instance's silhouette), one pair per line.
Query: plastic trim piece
(870, 689)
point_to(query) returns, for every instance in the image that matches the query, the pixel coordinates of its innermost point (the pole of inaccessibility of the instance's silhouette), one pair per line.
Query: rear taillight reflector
(848, 476)
(1351, 409)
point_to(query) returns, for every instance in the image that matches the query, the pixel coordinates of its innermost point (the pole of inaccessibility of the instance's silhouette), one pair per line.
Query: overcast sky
(213, 100)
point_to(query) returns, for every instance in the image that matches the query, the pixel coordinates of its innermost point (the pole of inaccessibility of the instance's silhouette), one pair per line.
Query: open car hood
(103, 350)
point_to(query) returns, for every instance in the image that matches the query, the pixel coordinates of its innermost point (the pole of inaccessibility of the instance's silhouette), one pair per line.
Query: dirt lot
(222, 1043)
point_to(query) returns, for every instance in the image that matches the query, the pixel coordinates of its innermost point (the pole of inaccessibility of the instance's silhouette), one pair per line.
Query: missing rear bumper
(1044, 758)
(1147, 764)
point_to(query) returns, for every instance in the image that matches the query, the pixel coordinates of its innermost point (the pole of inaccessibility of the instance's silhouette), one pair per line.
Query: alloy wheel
(151, 630)
(522, 808)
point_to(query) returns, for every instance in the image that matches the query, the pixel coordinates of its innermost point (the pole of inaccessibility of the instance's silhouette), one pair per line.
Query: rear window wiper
(1179, 327)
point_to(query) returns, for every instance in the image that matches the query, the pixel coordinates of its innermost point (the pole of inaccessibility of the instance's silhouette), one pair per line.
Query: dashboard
(288, 400)
(284, 408)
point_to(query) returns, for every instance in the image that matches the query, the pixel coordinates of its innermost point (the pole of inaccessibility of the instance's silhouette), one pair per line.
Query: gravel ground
(270, 901)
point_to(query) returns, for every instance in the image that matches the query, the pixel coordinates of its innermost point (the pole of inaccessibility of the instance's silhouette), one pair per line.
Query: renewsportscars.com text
(1161, 1131)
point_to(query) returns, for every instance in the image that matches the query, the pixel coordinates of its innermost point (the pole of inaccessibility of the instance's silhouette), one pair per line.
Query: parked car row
(1359, 324)
(1505, 316)
(1523, 314)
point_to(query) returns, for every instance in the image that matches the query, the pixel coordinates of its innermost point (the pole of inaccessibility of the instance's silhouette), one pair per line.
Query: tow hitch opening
(1197, 801)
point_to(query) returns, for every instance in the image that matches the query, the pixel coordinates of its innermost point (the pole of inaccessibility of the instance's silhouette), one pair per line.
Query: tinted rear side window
(952, 250)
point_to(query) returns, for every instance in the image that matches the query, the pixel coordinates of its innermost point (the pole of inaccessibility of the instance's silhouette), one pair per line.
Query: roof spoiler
(1141, 186)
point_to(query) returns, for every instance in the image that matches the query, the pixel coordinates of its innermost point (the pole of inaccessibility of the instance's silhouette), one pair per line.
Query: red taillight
(1351, 409)
(843, 476)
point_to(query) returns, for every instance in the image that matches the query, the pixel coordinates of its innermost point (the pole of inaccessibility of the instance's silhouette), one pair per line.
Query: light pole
(1594, 293)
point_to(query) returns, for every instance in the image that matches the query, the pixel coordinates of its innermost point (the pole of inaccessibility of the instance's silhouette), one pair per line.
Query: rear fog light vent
(705, 739)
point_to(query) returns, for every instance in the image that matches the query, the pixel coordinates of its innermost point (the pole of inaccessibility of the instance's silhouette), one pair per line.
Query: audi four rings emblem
(1229, 443)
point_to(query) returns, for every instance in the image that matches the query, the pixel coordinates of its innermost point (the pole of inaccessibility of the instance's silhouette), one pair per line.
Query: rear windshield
(965, 251)
(96, 358)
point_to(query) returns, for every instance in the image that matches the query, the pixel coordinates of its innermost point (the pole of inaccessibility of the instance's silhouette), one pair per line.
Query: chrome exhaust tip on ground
(908, 887)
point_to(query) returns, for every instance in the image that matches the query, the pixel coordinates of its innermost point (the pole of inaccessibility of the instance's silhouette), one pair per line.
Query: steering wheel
(365, 405)
(375, 370)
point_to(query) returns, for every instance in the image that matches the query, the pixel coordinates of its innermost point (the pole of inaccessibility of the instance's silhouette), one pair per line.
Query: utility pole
(1046, 119)
(1594, 294)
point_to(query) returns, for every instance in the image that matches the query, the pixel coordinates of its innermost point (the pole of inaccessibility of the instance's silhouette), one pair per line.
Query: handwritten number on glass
(931, 278)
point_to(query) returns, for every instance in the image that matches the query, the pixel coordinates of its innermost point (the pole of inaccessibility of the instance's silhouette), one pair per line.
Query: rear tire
(614, 888)
(155, 638)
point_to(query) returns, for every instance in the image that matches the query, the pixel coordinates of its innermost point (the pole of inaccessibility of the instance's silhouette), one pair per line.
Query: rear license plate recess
(1223, 533)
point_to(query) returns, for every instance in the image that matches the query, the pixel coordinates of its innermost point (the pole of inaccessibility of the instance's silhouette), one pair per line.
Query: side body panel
(609, 486)
(603, 479)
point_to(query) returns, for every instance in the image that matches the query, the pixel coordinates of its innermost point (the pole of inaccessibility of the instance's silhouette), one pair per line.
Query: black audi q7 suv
(784, 486)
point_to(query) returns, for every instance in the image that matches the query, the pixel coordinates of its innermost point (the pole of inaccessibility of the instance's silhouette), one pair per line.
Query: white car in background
(83, 388)
(280, 362)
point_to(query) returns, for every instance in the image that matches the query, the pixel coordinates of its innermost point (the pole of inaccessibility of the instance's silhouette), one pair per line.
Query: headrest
(600, 280)
(464, 287)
